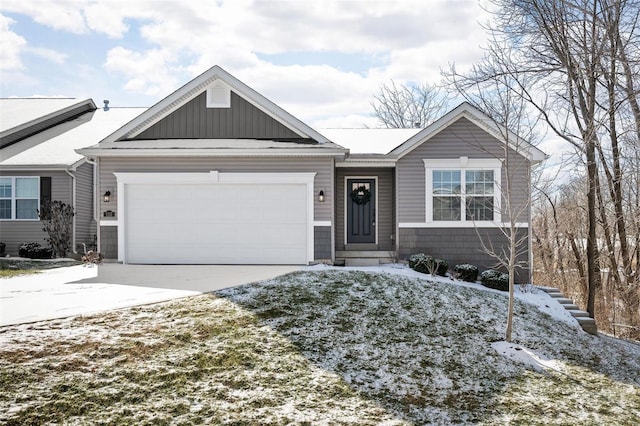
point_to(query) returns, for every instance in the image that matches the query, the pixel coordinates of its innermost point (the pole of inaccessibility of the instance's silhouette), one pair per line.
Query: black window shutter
(45, 193)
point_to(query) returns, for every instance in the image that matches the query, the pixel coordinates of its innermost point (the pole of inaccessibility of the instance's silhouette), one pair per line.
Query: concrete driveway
(79, 290)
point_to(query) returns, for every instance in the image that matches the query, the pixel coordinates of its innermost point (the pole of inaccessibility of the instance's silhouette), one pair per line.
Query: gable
(195, 120)
(462, 138)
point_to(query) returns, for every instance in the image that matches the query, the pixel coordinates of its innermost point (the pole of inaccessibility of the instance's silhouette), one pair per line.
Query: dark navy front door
(361, 211)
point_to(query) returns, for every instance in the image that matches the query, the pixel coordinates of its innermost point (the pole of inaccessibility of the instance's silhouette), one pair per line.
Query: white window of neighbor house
(462, 191)
(19, 198)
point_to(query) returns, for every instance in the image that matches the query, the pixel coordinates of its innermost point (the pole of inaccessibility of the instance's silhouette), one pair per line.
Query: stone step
(365, 253)
(361, 261)
(577, 313)
(564, 301)
(549, 289)
(556, 295)
(571, 307)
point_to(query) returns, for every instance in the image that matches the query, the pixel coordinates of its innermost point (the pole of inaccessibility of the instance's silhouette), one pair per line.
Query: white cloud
(182, 38)
(60, 15)
(11, 45)
(48, 54)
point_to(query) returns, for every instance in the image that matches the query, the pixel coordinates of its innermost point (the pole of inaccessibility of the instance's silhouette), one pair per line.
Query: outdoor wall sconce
(107, 196)
(321, 196)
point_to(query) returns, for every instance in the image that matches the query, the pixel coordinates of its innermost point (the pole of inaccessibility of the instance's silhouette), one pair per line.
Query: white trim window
(462, 191)
(19, 197)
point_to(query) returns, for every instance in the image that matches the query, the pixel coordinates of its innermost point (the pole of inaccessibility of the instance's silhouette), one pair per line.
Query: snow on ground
(52, 294)
(327, 345)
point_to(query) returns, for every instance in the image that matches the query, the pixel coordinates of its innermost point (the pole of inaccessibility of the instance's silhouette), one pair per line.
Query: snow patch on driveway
(53, 294)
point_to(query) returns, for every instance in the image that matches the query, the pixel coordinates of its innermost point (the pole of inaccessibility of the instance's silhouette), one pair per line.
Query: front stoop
(587, 323)
(364, 257)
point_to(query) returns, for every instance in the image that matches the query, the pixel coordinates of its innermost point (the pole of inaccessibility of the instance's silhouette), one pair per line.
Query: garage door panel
(216, 223)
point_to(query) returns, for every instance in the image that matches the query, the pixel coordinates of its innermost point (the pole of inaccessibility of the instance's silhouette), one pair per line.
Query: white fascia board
(144, 152)
(378, 162)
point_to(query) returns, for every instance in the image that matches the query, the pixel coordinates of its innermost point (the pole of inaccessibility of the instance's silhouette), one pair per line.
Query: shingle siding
(195, 121)
(322, 242)
(459, 245)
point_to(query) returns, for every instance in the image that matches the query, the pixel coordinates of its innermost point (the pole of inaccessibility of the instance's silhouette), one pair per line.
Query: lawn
(325, 347)
(13, 267)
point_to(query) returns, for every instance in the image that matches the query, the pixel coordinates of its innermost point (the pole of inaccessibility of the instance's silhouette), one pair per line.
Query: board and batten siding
(194, 120)
(460, 139)
(384, 209)
(85, 223)
(15, 232)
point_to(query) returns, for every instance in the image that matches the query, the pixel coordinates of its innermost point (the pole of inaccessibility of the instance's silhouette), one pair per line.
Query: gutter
(95, 200)
(73, 203)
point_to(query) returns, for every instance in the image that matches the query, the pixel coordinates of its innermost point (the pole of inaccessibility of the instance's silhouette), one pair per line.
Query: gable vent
(219, 95)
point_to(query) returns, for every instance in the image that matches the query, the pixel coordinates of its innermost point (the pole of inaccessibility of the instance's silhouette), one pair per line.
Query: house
(38, 162)
(217, 173)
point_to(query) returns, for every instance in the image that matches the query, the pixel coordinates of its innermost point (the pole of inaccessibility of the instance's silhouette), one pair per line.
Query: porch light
(321, 196)
(107, 196)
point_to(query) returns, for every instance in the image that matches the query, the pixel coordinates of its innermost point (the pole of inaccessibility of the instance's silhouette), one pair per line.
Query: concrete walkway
(79, 290)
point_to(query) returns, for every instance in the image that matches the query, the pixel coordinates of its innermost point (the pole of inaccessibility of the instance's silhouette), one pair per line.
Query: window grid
(19, 198)
(453, 190)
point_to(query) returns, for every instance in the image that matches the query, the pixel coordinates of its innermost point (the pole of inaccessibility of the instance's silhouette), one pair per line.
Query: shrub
(466, 272)
(34, 251)
(426, 264)
(495, 279)
(57, 218)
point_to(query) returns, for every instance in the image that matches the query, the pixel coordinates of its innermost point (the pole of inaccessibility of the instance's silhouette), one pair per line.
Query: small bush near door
(34, 251)
(466, 272)
(426, 264)
(495, 279)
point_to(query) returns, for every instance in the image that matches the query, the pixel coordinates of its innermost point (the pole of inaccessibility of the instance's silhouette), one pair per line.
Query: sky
(322, 61)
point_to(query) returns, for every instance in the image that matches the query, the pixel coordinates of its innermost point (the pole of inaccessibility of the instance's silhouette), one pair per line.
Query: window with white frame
(19, 198)
(462, 190)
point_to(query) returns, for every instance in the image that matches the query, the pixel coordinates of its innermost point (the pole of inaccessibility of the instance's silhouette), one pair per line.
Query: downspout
(73, 204)
(95, 201)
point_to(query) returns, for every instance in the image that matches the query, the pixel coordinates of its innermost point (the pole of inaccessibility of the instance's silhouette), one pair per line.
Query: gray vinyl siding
(15, 232)
(322, 243)
(384, 209)
(321, 166)
(85, 223)
(195, 120)
(109, 242)
(460, 139)
(459, 245)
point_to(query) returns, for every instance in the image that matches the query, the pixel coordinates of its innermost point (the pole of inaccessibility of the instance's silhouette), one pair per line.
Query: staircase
(364, 257)
(587, 323)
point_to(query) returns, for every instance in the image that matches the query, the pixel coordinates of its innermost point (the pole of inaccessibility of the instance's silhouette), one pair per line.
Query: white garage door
(216, 223)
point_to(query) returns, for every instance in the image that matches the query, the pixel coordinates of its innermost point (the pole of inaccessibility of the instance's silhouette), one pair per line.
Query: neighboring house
(217, 173)
(38, 162)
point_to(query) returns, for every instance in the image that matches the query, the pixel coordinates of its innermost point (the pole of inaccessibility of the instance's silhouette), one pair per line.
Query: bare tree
(407, 106)
(515, 123)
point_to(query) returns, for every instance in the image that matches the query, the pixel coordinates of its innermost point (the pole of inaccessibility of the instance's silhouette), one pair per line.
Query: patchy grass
(331, 347)
(14, 267)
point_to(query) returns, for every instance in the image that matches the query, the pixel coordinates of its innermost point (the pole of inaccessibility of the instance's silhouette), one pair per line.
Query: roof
(18, 111)
(24, 117)
(369, 141)
(56, 146)
(194, 88)
(480, 119)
